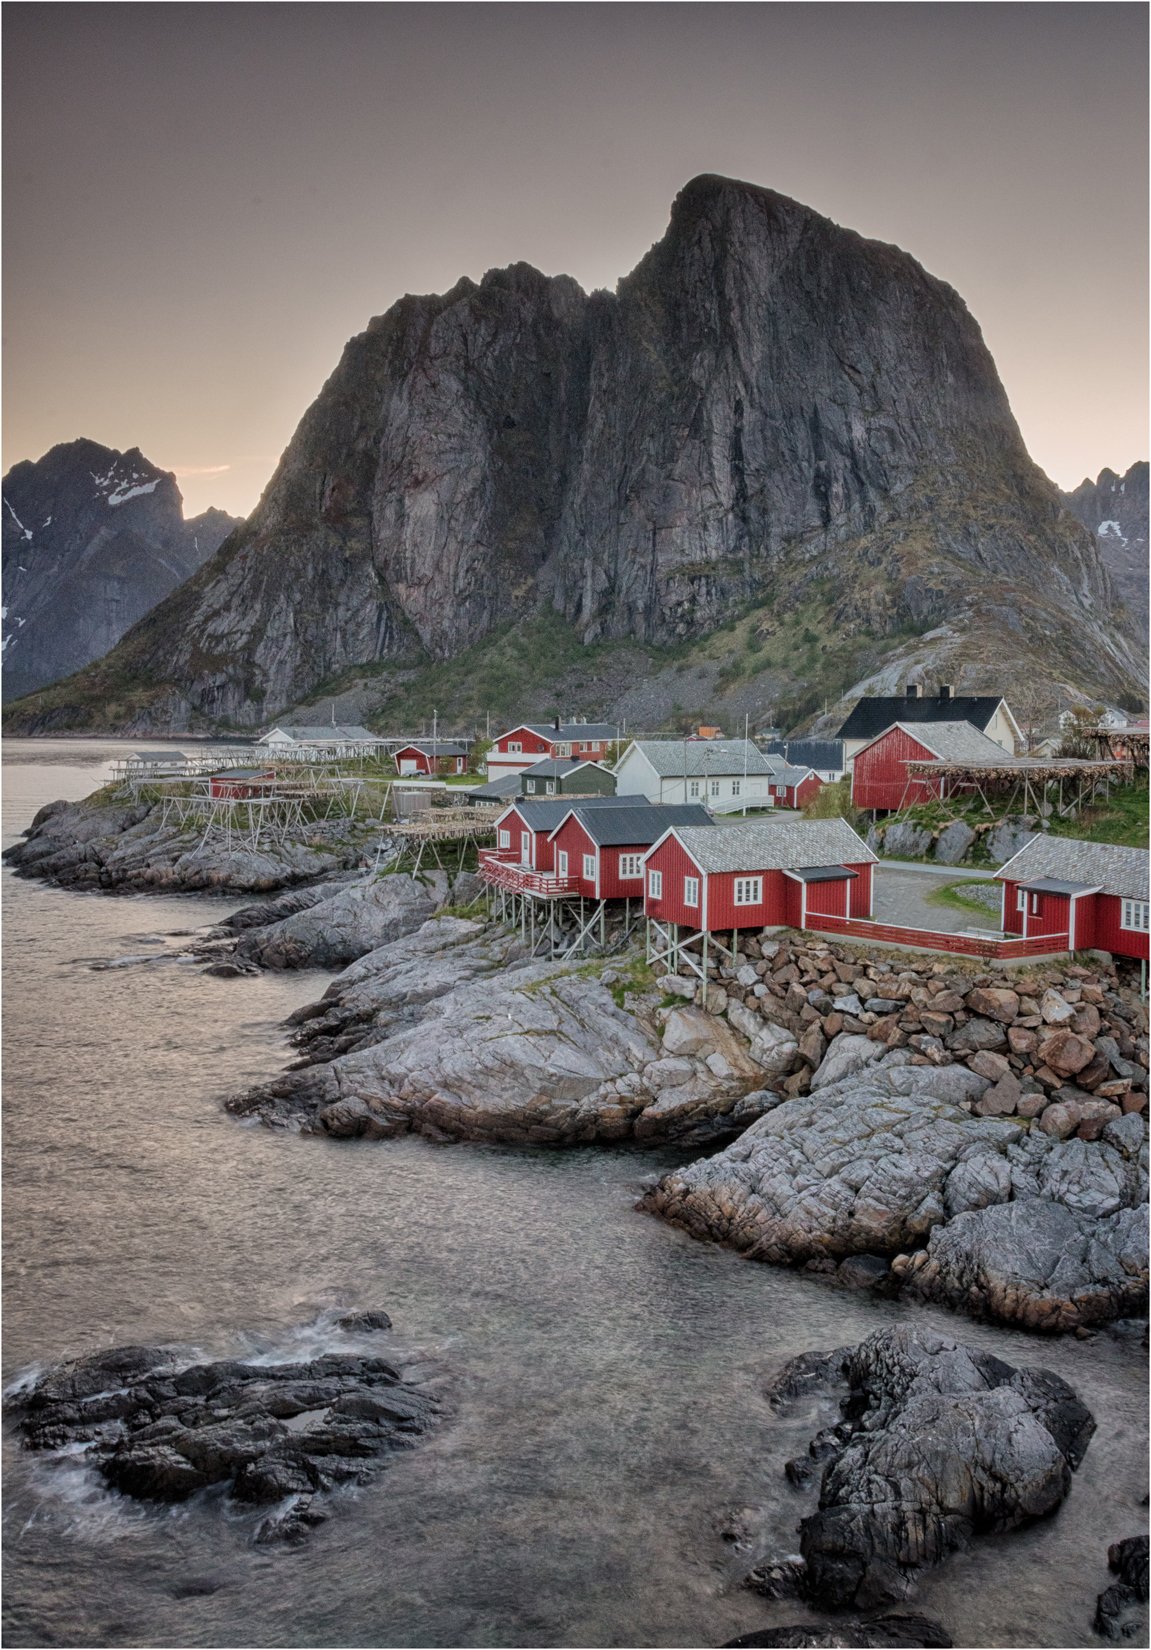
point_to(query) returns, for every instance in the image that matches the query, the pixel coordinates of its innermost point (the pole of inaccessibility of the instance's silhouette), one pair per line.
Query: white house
(988, 713)
(723, 774)
(328, 739)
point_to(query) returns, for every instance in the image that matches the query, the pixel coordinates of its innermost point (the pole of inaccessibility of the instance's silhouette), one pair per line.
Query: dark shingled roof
(872, 716)
(639, 825)
(820, 754)
(550, 766)
(546, 815)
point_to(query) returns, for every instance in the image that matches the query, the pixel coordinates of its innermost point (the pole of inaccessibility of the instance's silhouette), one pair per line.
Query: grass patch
(952, 895)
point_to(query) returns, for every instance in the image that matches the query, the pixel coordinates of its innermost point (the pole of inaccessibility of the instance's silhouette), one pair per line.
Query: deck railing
(966, 945)
(521, 879)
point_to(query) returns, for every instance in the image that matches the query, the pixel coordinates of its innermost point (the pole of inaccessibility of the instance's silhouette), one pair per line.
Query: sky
(203, 202)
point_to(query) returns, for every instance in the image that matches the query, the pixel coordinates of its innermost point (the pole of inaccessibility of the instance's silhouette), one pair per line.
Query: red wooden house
(879, 775)
(1083, 895)
(531, 742)
(601, 850)
(523, 832)
(759, 875)
(793, 787)
(431, 758)
(239, 783)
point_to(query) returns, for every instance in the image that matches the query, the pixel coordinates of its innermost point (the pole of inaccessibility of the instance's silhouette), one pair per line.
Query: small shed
(880, 778)
(794, 787)
(556, 776)
(601, 849)
(1082, 894)
(431, 757)
(758, 875)
(239, 783)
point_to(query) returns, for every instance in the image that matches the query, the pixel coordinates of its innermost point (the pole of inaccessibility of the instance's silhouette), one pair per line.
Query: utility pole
(745, 720)
(435, 759)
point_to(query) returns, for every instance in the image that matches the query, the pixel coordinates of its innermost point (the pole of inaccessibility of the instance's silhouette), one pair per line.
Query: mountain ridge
(769, 412)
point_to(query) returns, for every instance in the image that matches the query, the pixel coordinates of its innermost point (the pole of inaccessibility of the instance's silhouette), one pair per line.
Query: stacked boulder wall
(940, 1443)
(531, 1053)
(767, 404)
(888, 1162)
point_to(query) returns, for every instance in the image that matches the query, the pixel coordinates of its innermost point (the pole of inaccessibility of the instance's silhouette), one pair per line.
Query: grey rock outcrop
(347, 925)
(767, 399)
(953, 842)
(897, 1632)
(1115, 509)
(159, 1428)
(1006, 840)
(92, 539)
(1118, 1615)
(939, 1443)
(977, 1212)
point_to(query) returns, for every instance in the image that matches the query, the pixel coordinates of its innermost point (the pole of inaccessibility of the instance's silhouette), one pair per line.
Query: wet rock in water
(900, 1632)
(1117, 1612)
(159, 1429)
(295, 900)
(365, 1321)
(940, 1442)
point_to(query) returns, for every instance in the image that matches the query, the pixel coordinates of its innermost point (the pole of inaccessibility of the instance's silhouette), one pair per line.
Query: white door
(525, 847)
(408, 764)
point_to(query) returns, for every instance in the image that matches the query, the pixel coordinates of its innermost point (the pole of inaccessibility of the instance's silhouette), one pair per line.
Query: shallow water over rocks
(613, 1453)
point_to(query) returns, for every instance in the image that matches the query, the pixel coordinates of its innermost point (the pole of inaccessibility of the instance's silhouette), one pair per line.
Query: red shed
(523, 833)
(879, 776)
(602, 850)
(239, 783)
(433, 758)
(759, 875)
(1083, 894)
(793, 787)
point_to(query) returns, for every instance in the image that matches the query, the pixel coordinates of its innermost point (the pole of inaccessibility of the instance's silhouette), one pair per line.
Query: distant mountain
(92, 539)
(770, 416)
(1115, 509)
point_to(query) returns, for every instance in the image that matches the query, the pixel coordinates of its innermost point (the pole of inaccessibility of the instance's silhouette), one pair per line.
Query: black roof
(545, 815)
(871, 717)
(823, 873)
(553, 765)
(808, 753)
(1051, 885)
(639, 825)
(508, 786)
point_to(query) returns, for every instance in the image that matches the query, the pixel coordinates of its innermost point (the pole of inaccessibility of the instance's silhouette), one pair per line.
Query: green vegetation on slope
(1120, 818)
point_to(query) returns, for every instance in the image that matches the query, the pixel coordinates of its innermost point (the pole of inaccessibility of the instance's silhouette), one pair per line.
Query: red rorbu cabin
(602, 851)
(436, 757)
(793, 787)
(520, 747)
(879, 774)
(523, 833)
(1085, 895)
(239, 783)
(758, 875)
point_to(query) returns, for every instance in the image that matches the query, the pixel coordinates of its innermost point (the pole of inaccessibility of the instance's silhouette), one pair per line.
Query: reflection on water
(607, 1371)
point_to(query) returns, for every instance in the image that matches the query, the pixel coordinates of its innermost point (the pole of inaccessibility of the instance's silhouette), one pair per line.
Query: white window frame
(589, 867)
(583, 744)
(505, 839)
(735, 787)
(655, 884)
(561, 862)
(531, 784)
(691, 892)
(515, 747)
(694, 790)
(715, 787)
(550, 787)
(1135, 916)
(630, 866)
(749, 890)
(1020, 900)
(563, 750)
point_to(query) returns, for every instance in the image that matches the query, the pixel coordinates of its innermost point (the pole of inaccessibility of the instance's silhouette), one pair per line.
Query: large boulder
(1007, 838)
(346, 926)
(953, 842)
(890, 1158)
(906, 842)
(940, 1443)
(846, 1054)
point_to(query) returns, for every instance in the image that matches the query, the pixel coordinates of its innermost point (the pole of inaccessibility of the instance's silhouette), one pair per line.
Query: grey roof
(553, 765)
(570, 731)
(715, 757)
(157, 756)
(640, 824)
(872, 716)
(329, 733)
(1051, 885)
(772, 845)
(240, 773)
(496, 789)
(820, 754)
(956, 742)
(545, 815)
(441, 747)
(1116, 870)
(790, 776)
(823, 873)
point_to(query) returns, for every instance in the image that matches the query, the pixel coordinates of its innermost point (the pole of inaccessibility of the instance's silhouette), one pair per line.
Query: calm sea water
(606, 1370)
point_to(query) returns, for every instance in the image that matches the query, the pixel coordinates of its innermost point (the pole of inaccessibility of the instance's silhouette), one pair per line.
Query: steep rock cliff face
(1115, 509)
(770, 407)
(92, 539)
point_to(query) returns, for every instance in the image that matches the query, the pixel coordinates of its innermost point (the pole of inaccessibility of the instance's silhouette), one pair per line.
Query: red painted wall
(827, 899)
(542, 855)
(1108, 936)
(574, 840)
(792, 902)
(879, 775)
(723, 912)
(1051, 918)
(533, 744)
(859, 893)
(671, 859)
(798, 796)
(236, 789)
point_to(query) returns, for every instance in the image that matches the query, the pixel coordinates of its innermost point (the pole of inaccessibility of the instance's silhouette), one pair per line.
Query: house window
(715, 787)
(563, 750)
(1135, 915)
(531, 784)
(749, 890)
(562, 863)
(595, 744)
(583, 744)
(550, 787)
(514, 747)
(735, 787)
(589, 867)
(1035, 905)
(505, 839)
(691, 890)
(630, 866)
(1020, 900)
(693, 789)
(655, 884)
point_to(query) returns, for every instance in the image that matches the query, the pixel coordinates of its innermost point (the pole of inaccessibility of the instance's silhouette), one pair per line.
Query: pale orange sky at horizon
(205, 201)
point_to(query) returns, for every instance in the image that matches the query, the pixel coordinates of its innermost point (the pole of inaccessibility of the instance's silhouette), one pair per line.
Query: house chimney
(911, 692)
(557, 724)
(945, 690)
